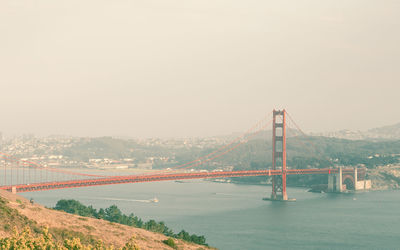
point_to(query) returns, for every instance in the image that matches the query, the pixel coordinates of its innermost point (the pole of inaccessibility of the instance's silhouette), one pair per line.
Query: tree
(113, 214)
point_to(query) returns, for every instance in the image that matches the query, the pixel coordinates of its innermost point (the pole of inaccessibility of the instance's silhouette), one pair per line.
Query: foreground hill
(16, 211)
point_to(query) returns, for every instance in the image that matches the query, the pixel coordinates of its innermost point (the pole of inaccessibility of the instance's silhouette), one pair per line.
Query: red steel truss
(163, 177)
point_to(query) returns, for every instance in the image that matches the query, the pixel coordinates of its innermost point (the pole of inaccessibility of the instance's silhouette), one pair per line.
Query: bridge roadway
(161, 177)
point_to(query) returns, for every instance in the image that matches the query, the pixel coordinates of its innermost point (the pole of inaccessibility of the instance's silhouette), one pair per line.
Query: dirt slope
(61, 223)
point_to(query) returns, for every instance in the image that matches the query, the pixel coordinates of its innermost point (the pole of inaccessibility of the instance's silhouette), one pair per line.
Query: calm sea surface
(235, 216)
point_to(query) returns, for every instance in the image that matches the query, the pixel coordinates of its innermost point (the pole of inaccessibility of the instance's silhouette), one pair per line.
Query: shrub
(6, 227)
(170, 242)
(131, 245)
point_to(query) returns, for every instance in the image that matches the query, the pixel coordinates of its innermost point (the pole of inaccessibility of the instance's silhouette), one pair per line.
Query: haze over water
(235, 216)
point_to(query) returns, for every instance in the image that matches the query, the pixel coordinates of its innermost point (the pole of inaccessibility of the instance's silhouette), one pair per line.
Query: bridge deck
(161, 177)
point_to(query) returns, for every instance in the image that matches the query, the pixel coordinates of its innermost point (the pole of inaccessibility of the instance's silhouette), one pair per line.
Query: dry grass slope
(16, 211)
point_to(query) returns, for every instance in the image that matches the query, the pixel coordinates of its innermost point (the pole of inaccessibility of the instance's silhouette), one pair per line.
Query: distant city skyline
(186, 69)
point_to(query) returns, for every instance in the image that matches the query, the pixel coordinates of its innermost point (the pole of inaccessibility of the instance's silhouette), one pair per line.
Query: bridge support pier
(355, 178)
(331, 183)
(279, 155)
(335, 181)
(339, 181)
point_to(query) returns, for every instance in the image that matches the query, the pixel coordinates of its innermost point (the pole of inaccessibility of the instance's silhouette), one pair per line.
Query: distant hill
(303, 151)
(386, 132)
(316, 151)
(391, 132)
(264, 134)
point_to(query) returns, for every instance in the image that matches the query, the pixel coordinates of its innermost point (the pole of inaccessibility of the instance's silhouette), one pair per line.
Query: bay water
(233, 216)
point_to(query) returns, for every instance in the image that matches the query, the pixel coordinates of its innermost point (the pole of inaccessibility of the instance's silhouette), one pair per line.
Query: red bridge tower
(279, 155)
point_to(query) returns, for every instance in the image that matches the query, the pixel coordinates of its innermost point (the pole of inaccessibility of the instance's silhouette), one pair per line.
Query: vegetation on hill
(27, 240)
(114, 214)
(303, 152)
(314, 152)
(27, 234)
(317, 152)
(10, 218)
(27, 224)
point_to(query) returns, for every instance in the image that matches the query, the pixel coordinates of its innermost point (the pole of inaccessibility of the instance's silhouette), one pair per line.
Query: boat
(155, 200)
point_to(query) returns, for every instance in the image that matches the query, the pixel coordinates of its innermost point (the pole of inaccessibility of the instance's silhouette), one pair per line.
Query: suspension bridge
(28, 176)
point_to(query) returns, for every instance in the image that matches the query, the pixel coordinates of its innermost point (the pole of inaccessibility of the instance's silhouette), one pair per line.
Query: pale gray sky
(166, 68)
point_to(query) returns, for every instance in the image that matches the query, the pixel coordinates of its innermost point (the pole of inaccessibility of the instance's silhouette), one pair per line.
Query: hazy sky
(150, 68)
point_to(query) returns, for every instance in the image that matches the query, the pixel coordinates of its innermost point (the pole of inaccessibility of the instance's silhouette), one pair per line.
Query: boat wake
(233, 195)
(129, 200)
(225, 194)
